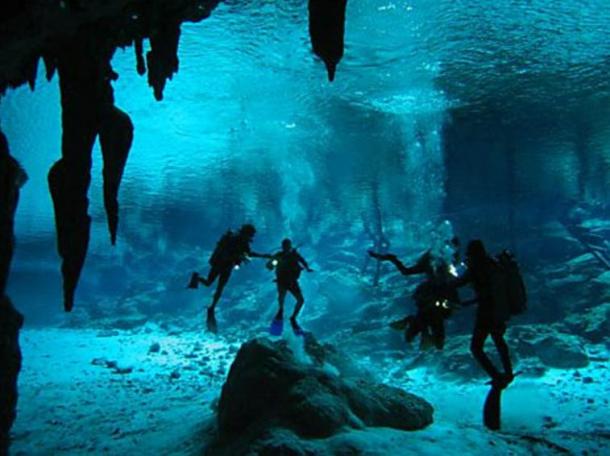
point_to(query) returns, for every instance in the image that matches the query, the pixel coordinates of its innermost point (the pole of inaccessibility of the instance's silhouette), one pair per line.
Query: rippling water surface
(250, 128)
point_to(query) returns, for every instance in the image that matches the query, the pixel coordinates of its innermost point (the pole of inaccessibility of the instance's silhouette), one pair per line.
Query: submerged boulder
(562, 351)
(280, 397)
(593, 324)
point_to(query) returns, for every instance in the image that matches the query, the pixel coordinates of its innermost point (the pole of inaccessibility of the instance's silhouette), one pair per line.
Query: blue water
(492, 115)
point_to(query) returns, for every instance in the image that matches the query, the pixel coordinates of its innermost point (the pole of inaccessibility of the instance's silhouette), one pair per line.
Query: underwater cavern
(304, 227)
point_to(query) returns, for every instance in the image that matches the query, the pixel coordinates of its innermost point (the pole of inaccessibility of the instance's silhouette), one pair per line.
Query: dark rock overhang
(32, 30)
(77, 39)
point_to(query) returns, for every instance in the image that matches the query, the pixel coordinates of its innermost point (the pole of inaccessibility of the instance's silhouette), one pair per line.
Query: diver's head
(286, 245)
(475, 251)
(247, 230)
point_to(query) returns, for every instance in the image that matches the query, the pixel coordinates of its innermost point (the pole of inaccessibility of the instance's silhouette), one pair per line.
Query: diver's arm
(260, 255)
(404, 270)
(304, 263)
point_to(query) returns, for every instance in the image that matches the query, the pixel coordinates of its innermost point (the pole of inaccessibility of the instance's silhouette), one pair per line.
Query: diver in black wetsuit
(434, 297)
(288, 264)
(231, 251)
(479, 275)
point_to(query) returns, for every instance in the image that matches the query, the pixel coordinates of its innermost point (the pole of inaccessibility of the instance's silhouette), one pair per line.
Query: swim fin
(194, 282)
(401, 324)
(491, 409)
(298, 331)
(277, 327)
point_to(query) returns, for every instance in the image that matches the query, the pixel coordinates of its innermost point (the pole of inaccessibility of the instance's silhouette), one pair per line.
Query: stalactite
(138, 49)
(12, 177)
(326, 30)
(162, 59)
(116, 136)
(50, 65)
(86, 93)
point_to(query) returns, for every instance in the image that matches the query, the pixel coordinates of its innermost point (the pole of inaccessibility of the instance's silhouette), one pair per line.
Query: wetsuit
(479, 275)
(432, 298)
(287, 272)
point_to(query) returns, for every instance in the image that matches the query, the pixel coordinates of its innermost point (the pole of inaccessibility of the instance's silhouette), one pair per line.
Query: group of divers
(435, 297)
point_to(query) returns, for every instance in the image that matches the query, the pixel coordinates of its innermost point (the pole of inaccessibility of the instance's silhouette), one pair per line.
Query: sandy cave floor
(107, 392)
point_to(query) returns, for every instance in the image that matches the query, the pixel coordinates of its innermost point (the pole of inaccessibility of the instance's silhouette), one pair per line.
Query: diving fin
(401, 324)
(298, 331)
(491, 409)
(277, 327)
(194, 282)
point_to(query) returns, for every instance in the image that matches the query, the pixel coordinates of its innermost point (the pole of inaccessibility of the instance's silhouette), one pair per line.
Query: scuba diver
(480, 271)
(288, 264)
(500, 293)
(231, 251)
(435, 298)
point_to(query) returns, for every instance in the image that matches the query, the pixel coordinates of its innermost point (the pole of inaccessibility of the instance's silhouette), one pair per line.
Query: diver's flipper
(401, 324)
(298, 331)
(277, 326)
(194, 282)
(491, 410)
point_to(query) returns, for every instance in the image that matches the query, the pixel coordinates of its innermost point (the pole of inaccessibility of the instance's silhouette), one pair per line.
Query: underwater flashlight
(453, 270)
(236, 267)
(274, 262)
(445, 304)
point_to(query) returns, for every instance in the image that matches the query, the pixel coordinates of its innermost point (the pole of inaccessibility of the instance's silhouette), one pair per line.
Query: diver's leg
(477, 343)
(223, 278)
(497, 336)
(281, 297)
(295, 290)
(212, 274)
(415, 327)
(438, 333)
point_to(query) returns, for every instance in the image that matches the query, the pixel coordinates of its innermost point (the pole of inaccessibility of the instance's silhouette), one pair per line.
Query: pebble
(123, 370)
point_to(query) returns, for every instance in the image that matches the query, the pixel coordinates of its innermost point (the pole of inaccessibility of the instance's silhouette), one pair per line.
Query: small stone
(98, 361)
(155, 348)
(175, 375)
(123, 370)
(587, 380)
(111, 364)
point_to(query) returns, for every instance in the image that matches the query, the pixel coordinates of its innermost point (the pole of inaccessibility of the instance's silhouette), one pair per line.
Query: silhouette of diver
(479, 274)
(288, 264)
(231, 251)
(434, 298)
